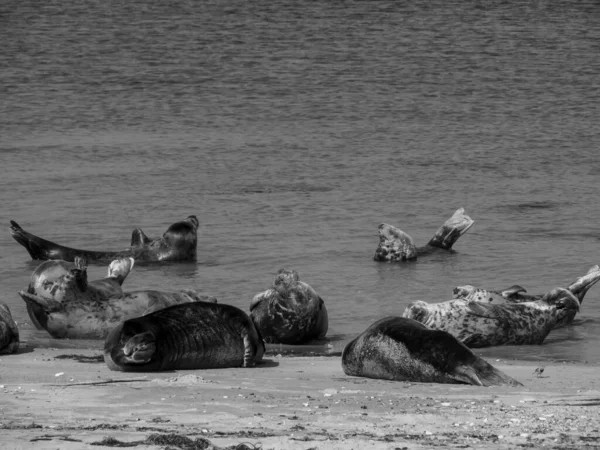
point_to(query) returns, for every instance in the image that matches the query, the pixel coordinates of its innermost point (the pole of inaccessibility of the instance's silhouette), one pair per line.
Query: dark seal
(290, 312)
(9, 333)
(399, 349)
(395, 245)
(178, 243)
(198, 335)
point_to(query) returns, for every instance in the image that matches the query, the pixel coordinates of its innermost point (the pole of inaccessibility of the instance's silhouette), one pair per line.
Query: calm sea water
(292, 129)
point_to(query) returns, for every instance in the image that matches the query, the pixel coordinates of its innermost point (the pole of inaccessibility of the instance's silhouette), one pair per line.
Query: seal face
(518, 294)
(400, 349)
(477, 324)
(201, 335)
(178, 243)
(395, 245)
(9, 333)
(290, 312)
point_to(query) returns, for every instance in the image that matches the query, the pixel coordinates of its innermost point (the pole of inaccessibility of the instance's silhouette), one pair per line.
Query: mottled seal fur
(92, 317)
(64, 281)
(478, 324)
(198, 335)
(518, 294)
(400, 349)
(290, 312)
(395, 245)
(178, 243)
(9, 332)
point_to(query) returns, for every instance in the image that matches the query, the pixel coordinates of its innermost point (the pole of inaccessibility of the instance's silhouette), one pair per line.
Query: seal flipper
(139, 239)
(451, 230)
(120, 268)
(80, 273)
(38, 248)
(580, 286)
(515, 289)
(394, 245)
(480, 373)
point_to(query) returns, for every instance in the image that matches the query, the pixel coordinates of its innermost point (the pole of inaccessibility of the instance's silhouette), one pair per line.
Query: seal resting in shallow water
(62, 281)
(478, 324)
(198, 335)
(93, 319)
(395, 245)
(178, 243)
(518, 294)
(290, 312)
(9, 333)
(401, 349)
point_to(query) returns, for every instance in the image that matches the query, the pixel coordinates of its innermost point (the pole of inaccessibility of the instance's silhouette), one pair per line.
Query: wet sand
(69, 399)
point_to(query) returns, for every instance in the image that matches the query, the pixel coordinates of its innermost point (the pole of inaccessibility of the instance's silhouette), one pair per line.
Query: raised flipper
(139, 238)
(580, 286)
(453, 228)
(511, 291)
(120, 268)
(47, 304)
(80, 273)
(394, 245)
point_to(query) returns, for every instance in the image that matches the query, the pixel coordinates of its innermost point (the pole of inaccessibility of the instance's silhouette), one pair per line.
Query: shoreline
(69, 399)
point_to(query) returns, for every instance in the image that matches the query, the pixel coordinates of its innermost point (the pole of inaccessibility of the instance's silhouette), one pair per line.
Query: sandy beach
(69, 399)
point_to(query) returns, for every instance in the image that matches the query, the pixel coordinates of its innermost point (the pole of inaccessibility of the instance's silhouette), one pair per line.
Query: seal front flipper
(394, 245)
(451, 230)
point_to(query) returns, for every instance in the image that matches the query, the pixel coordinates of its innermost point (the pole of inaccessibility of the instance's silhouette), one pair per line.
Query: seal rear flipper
(120, 268)
(451, 230)
(480, 373)
(47, 304)
(37, 247)
(580, 286)
(139, 239)
(394, 245)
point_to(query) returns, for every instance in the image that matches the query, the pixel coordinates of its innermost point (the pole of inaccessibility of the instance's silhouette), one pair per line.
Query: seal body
(401, 349)
(290, 312)
(518, 294)
(9, 333)
(395, 245)
(178, 243)
(64, 281)
(478, 324)
(199, 335)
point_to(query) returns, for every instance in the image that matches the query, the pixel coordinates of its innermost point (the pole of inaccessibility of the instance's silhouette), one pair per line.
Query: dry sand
(68, 399)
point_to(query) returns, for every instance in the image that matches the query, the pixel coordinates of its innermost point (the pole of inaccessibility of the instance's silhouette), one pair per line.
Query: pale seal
(400, 349)
(198, 335)
(395, 245)
(178, 243)
(64, 281)
(478, 324)
(290, 312)
(518, 294)
(9, 332)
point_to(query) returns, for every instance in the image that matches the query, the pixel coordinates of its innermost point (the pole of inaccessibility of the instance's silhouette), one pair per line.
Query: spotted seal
(178, 243)
(478, 324)
(64, 281)
(9, 332)
(518, 294)
(401, 349)
(199, 335)
(395, 245)
(290, 312)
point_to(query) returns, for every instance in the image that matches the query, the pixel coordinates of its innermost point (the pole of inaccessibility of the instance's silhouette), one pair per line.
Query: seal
(518, 294)
(290, 312)
(199, 335)
(478, 324)
(60, 301)
(178, 243)
(395, 245)
(401, 349)
(9, 332)
(64, 281)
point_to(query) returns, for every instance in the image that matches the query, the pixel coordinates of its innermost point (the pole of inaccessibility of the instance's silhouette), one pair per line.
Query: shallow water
(292, 129)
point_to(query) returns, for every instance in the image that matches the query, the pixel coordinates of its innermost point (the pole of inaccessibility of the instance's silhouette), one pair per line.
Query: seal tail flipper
(482, 373)
(37, 247)
(451, 230)
(120, 268)
(139, 238)
(580, 286)
(47, 304)
(394, 245)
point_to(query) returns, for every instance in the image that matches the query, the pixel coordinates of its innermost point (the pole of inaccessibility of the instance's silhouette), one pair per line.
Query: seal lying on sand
(93, 318)
(178, 243)
(290, 312)
(478, 324)
(198, 335)
(395, 245)
(63, 281)
(9, 333)
(518, 294)
(402, 349)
